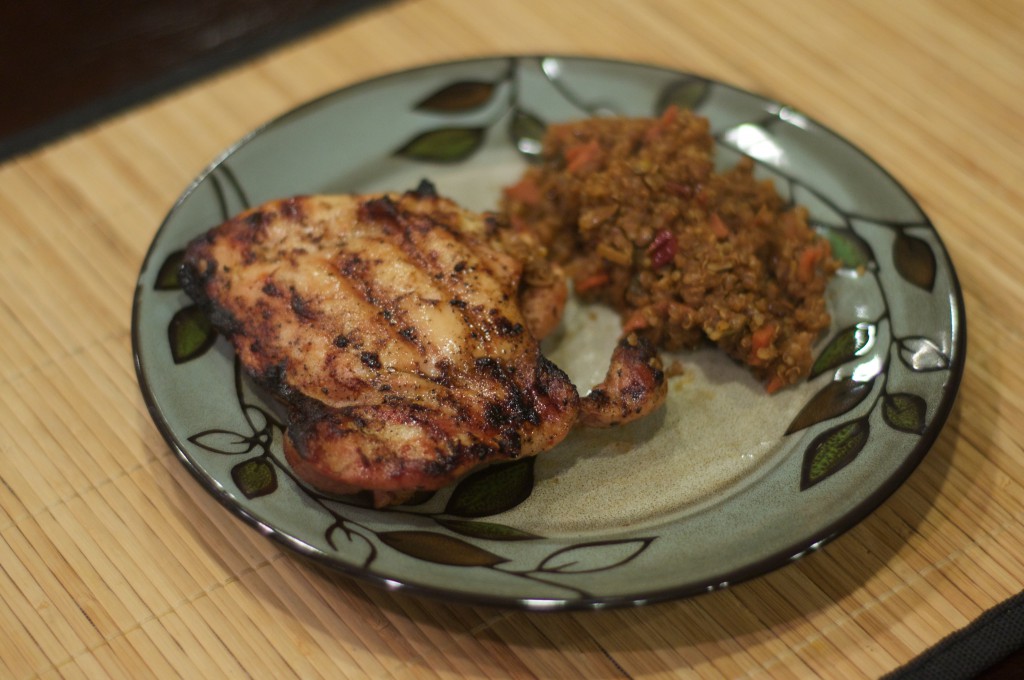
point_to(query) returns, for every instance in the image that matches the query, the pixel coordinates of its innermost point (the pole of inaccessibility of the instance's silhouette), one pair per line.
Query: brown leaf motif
(833, 450)
(914, 260)
(835, 399)
(438, 548)
(464, 95)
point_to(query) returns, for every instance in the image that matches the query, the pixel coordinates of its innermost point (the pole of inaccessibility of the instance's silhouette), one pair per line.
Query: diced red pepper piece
(775, 383)
(582, 157)
(590, 282)
(762, 337)
(809, 259)
(525, 191)
(667, 116)
(718, 227)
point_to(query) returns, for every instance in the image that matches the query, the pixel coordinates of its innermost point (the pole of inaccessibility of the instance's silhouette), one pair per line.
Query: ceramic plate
(723, 484)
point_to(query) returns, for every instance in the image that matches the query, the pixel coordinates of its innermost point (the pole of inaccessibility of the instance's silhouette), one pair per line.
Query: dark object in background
(66, 63)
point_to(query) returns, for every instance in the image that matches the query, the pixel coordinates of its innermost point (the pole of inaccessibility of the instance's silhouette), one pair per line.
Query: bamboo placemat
(114, 562)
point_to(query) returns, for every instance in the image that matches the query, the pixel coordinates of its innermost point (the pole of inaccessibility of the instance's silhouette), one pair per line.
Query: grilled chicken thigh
(633, 387)
(401, 331)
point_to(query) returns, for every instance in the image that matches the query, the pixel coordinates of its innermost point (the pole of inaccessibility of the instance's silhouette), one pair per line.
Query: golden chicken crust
(400, 330)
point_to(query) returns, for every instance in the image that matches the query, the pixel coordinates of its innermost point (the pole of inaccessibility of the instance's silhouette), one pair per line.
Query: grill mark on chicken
(634, 386)
(470, 282)
(357, 276)
(429, 241)
(342, 306)
(408, 300)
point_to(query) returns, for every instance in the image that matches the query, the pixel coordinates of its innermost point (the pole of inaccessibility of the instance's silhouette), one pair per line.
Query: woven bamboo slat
(114, 562)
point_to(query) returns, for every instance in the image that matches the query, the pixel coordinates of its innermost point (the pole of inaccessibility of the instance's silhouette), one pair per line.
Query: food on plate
(636, 212)
(402, 333)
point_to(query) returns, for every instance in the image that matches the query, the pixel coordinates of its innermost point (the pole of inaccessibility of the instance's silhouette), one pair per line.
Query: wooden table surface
(114, 562)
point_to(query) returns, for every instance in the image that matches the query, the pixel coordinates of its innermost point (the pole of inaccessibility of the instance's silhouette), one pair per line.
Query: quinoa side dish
(635, 211)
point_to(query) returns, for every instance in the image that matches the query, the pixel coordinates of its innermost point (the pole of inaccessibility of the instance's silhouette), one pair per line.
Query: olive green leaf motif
(848, 248)
(835, 399)
(167, 276)
(492, 490)
(450, 144)
(905, 412)
(458, 118)
(190, 334)
(443, 145)
(527, 133)
(464, 95)
(439, 548)
(914, 260)
(843, 347)
(687, 93)
(832, 450)
(255, 477)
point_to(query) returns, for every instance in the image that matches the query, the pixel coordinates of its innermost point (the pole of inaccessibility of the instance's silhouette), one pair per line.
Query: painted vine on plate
(912, 259)
(837, 407)
(483, 493)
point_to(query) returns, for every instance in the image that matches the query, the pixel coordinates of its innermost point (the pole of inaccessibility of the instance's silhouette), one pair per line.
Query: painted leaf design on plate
(463, 95)
(440, 549)
(687, 93)
(585, 558)
(835, 399)
(527, 132)
(914, 260)
(922, 355)
(190, 333)
(492, 490)
(846, 344)
(486, 530)
(223, 441)
(255, 477)
(833, 450)
(418, 498)
(905, 412)
(443, 145)
(357, 547)
(848, 248)
(167, 276)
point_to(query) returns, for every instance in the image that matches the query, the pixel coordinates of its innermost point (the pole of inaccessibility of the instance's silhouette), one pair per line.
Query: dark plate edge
(763, 566)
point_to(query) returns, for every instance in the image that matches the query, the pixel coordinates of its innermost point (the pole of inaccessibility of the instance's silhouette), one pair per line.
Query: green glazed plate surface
(723, 484)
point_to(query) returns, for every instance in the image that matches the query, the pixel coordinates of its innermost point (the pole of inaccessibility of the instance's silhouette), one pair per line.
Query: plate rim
(729, 577)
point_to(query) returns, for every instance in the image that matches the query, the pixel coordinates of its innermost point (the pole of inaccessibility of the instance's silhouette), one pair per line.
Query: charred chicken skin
(401, 331)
